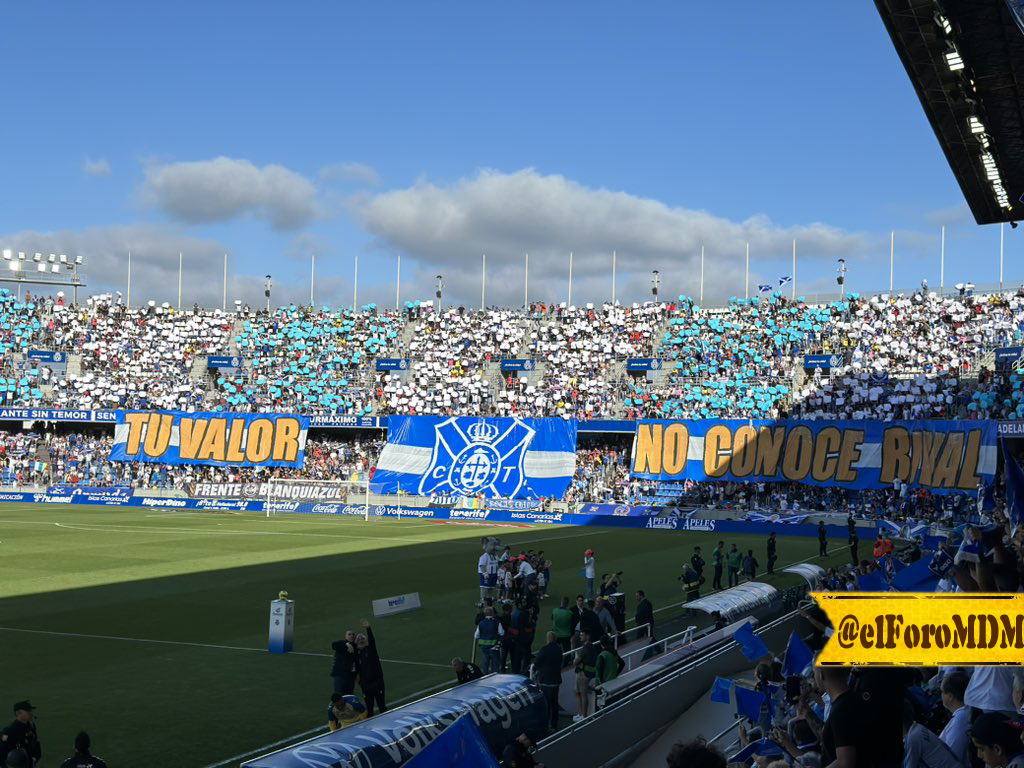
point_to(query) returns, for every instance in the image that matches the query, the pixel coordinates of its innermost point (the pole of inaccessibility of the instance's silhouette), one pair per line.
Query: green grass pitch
(86, 593)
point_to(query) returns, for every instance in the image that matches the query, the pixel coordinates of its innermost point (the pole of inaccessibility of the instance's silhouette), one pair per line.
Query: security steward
(21, 734)
(83, 758)
(488, 634)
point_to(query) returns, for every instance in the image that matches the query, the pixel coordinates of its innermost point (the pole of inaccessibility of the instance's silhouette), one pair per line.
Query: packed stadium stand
(744, 360)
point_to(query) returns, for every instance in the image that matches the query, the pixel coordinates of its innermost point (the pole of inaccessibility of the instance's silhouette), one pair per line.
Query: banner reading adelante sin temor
(942, 456)
(220, 439)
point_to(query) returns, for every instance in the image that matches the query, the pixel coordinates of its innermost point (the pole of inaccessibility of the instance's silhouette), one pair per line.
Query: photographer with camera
(610, 583)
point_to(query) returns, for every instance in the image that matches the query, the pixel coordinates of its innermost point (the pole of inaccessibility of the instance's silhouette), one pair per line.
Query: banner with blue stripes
(942, 456)
(507, 458)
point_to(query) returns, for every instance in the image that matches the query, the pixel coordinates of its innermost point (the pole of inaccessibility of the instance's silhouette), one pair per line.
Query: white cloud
(98, 167)
(227, 188)
(447, 228)
(357, 172)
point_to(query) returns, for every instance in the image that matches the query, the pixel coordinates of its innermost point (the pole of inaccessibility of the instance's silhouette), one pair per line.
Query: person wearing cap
(83, 758)
(21, 733)
(466, 670)
(588, 572)
(344, 710)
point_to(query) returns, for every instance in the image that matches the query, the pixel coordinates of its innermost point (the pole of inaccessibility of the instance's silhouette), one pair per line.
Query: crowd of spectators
(905, 356)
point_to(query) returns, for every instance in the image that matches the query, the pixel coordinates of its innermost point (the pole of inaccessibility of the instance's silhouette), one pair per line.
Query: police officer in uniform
(822, 539)
(21, 733)
(83, 758)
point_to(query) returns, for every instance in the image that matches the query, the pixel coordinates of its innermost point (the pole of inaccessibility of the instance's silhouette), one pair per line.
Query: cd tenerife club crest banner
(506, 458)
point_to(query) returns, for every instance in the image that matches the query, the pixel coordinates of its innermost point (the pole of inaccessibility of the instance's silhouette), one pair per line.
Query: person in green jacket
(734, 560)
(561, 624)
(609, 663)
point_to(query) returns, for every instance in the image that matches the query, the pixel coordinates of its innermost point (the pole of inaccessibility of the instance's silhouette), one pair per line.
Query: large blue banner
(498, 458)
(502, 707)
(218, 439)
(942, 456)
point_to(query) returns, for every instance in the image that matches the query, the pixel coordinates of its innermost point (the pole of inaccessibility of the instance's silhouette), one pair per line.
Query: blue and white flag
(506, 458)
(764, 287)
(785, 279)
(1014, 478)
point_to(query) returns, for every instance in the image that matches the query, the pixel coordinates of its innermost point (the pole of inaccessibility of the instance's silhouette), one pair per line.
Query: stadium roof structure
(735, 601)
(965, 59)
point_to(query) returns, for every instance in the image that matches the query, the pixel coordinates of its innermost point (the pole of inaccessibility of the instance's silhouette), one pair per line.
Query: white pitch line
(318, 729)
(552, 538)
(116, 528)
(199, 645)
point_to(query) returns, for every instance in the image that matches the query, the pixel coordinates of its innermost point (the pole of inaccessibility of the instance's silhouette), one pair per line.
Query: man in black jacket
(547, 672)
(466, 670)
(644, 615)
(371, 674)
(83, 758)
(697, 563)
(772, 555)
(344, 668)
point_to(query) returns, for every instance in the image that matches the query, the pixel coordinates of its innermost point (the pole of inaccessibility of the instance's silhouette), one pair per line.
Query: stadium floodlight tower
(267, 285)
(655, 283)
(38, 270)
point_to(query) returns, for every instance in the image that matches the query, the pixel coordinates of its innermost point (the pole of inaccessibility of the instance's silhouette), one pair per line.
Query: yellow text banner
(919, 629)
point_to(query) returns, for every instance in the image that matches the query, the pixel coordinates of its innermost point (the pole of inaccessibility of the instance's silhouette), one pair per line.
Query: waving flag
(753, 647)
(785, 279)
(764, 287)
(720, 690)
(1014, 488)
(749, 703)
(797, 657)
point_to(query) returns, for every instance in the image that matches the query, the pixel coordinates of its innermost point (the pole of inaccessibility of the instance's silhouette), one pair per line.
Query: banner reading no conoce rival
(942, 456)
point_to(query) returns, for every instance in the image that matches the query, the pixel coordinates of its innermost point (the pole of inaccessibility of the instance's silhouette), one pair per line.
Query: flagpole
(355, 285)
(613, 277)
(569, 304)
(942, 261)
(483, 284)
(1001, 225)
(398, 280)
(701, 302)
(179, 280)
(746, 277)
(526, 282)
(224, 304)
(794, 269)
(892, 256)
(312, 277)
(128, 298)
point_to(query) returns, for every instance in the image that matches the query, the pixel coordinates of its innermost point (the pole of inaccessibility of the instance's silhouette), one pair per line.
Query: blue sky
(445, 131)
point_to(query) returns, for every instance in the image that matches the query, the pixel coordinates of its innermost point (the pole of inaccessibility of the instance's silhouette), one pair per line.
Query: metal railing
(685, 638)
